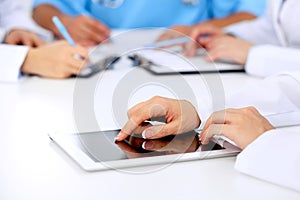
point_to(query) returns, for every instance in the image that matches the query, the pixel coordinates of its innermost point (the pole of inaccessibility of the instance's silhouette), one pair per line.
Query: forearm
(234, 18)
(43, 14)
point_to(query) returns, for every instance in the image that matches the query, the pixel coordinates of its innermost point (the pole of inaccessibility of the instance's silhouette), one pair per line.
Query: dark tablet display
(101, 147)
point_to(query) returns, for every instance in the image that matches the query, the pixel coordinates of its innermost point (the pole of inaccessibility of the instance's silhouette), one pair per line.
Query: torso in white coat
(288, 23)
(280, 25)
(276, 36)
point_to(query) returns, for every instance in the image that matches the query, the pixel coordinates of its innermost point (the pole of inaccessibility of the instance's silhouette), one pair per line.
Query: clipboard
(164, 62)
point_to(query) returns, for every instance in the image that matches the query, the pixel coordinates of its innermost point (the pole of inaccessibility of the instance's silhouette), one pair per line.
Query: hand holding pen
(81, 57)
(84, 29)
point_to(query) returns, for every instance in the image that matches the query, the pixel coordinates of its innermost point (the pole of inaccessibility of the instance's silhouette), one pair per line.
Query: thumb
(159, 131)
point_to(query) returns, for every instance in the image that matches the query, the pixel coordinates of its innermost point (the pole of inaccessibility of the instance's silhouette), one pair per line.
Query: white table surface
(32, 167)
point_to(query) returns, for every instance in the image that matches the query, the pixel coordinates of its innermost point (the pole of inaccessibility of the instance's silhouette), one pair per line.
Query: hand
(242, 126)
(85, 30)
(175, 32)
(181, 117)
(203, 29)
(227, 47)
(23, 37)
(56, 60)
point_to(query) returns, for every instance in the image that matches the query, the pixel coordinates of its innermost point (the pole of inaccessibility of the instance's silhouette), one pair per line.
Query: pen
(62, 29)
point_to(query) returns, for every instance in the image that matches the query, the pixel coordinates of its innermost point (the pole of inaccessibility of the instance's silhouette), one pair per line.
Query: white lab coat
(275, 156)
(12, 16)
(277, 39)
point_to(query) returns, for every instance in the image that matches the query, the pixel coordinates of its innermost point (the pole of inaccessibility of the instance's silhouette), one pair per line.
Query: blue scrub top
(157, 13)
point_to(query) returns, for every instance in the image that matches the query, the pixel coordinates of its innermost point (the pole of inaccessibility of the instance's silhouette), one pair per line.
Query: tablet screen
(101, 147)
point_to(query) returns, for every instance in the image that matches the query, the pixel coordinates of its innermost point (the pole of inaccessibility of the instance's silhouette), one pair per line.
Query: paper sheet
(173, 61)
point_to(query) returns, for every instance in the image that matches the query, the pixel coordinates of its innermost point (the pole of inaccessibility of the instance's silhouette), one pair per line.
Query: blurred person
(265, 46)
(89, 22)
(23, 52)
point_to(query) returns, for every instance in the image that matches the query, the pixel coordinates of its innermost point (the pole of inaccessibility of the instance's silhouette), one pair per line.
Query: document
(166, 61)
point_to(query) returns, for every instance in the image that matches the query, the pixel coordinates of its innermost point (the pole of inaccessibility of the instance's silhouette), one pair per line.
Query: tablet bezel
(87, 164)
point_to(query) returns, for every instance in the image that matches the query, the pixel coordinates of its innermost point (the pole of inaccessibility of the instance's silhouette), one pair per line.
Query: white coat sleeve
(266, 60)
(273, 157)
(14, 15)
(258, 31)
(12, 58)
(2, 35)
(274, 95)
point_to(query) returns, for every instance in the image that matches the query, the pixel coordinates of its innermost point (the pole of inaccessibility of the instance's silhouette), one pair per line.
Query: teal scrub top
(125, 14)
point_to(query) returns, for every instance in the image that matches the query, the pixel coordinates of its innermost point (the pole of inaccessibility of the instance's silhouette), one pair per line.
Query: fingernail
(144, 135)
(147, 134)
(117, 138)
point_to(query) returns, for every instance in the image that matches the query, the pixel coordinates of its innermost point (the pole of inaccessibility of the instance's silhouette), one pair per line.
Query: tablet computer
(96, 151)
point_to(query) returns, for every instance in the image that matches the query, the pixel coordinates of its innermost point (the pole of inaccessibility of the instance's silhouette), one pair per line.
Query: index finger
(98, 26)
(142, 112)
(204, 30)
(131, 125)
(219, 117)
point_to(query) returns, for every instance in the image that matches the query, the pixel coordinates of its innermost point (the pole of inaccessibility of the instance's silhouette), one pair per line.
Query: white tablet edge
(86, 163)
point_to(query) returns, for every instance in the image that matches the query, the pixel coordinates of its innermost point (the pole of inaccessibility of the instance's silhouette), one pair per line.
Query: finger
(160, 131)
(76, 66)
(131, 125)
(81, 51)
(198, 31)
(205, 41)
(190, 49)
(98, 26)
(156, 107)
(13, 40)
(87, 43)
(152, 108)
(94, 36)
(27, 41)
(216, 129)
(37, 42)
(133, 110)
(220, 117)
(213, 42)
(217, 54)
(97, 29)
(141, 128)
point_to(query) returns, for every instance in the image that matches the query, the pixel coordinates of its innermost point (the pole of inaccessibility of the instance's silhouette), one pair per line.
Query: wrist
(27, 65)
